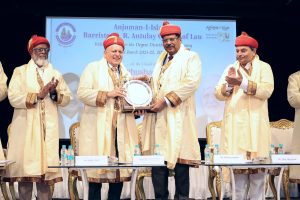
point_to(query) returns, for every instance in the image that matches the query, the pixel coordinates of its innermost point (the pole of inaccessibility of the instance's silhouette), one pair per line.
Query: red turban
(168, 29)
(113, 38)
(36, 40)
(245, 40)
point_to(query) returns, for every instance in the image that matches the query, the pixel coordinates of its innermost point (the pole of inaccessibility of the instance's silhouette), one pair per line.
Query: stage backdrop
(77, 41)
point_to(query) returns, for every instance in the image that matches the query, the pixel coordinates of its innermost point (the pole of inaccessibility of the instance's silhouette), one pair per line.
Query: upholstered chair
(213, 136)
(73, 175)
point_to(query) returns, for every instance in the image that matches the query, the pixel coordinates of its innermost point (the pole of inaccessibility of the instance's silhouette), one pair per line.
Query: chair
(282, 132)
(73, 176)
(213, 136)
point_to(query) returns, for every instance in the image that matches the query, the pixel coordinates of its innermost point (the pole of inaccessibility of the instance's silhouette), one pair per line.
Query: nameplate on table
(91, 160)
(286, 158)
(148, 160)
(229, 159)
(4, 163)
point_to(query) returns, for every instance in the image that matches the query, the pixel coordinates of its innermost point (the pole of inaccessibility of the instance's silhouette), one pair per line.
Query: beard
(41, 62)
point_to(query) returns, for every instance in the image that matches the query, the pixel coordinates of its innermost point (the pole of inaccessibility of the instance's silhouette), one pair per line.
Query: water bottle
(207, 154)
(280, 149)
(70, 156)
(272, 150)
(157, 150)
(216, 149)
(63, 155)
(137, 150)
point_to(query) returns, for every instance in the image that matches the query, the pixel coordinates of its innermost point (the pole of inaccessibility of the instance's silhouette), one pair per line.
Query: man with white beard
(35, 91)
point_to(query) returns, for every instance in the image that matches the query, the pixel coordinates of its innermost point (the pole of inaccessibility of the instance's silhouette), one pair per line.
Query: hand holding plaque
(138, 96)
(117, 92)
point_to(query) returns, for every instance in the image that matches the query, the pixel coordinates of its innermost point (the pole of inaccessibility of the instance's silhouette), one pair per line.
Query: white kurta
(245, 125)
(33, 140)
(97, 124)
(3, 94)
(3, 86)
(174, 128)
(293, 95)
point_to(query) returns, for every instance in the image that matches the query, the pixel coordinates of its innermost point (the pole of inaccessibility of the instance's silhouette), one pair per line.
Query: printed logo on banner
(218, 32)
(223, 36)
(65, 34)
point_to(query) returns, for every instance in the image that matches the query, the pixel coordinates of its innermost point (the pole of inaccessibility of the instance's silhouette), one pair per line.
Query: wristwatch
(53, 95)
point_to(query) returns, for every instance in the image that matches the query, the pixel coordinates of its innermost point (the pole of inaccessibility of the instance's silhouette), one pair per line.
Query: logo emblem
(65, 34)
(223, 36)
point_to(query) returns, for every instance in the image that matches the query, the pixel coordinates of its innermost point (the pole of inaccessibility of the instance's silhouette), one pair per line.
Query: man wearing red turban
(36, 40)
(175, 79)
(113, 38)
(246, 86)
(35, 91)
(104, 129)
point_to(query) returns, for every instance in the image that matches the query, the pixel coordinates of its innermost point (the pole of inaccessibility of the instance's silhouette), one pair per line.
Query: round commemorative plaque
(139, 94)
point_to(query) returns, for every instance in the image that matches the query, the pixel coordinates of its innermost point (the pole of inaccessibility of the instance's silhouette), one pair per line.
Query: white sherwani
(101, 118)
(245, 125)
(293, 94)
(3, 94)
(3, 86)
(174, 128)
(34, 134)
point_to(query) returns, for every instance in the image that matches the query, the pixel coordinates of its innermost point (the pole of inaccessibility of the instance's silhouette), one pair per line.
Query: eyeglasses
(117, 51)
(40, 50)
(170, 39)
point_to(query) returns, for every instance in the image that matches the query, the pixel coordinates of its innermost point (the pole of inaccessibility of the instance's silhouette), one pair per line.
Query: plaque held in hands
(138, 96)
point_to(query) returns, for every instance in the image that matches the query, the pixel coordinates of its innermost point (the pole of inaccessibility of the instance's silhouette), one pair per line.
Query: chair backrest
(213, 133)
(74, 131)
(282, 133)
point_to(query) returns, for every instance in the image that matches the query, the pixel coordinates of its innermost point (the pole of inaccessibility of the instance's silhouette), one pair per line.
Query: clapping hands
(49, 87)
(232, 79)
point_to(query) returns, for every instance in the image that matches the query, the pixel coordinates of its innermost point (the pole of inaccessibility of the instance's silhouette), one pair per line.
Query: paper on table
(4, 161)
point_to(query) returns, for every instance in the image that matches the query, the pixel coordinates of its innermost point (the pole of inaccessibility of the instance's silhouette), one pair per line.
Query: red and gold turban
(36, 40)
(113, 38)
(245, 40)
(168, 29)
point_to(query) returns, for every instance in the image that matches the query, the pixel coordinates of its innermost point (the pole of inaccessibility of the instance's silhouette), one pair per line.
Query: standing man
(293, 94)
(3, 94)
(246, 86)
(3, 86)
(175, 79)
(104, 129)
(35, 91)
